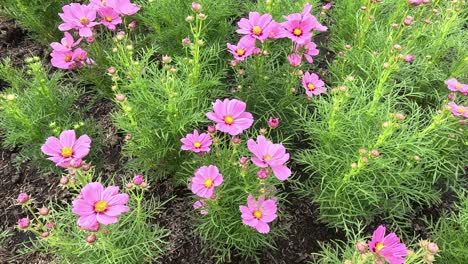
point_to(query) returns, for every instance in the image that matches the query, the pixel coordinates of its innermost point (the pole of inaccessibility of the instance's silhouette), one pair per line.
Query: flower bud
(196, 7)
(263, 131)
(429, 258)
(129, 47)
(353, 165)
(120, 97)
(347, 262)
(397, 46)
(200, 42)
(408, 21)
(45, 234)
(111, 70)
(128, 137)
(234, 63)
(451, 96)
(64, 180)
(243, 160)
(361, 247)
(44, 211)
(365, 160)
(22, 198)
(262, 174)
(400, 116)
(375, 153)
(363, 151)
(211, 129)
(189, 19)
(86, 167)
(423, 243)
(201, 16)
(23, 223)
(120, 35)
(132, 24)
(129, 186)
(166, 59)
(72, 180)
(186, 42)
(236, 140)
(144, 185)
(273, 122)
(90, 40)
(91, 239)
(76, 163)
(138, 179)
(409, 58)
(433, 248)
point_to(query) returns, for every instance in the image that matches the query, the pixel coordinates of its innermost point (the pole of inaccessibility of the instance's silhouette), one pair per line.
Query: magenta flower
(79, 17)
(294, 59)
(109, 17)
(62, 59)
(313, 84)
(22, 198)
(205, 180)
(138, 179)
(97, 205)
(388, 246)
(243, 49)
(63, 150)
(273, 122)
(23, 223)
(456, 86)
(256, 27)
(66, 44)
(258, 214)
(276, 30)
(299, 26)
(196, 142)
(458, 110)
(309, 49)
(270, 155)
(230, 116)
(123, 7)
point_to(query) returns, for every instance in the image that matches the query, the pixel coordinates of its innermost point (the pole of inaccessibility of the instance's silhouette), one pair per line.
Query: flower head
(458, 110)
(256, 27)
(309, 49)
(96, 205)
(206, 178)
(388, 246)
(23, 223)
(138, 179)
(294, 59)
(298, 27)
(109, 17)
(313, 84)
(243, 49)
(123, 7)
(196, 7)
(230, 116)
(66, 44)
(196, 142)
(270, 155)
(65, 148)
(456, 86)
(258, 214)
(79, 17)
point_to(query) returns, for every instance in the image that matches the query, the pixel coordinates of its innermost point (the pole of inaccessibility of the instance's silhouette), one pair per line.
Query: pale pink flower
(79, 17)
(97, 205)
(456, 86)
(299, 26)
(276, 30)
(458, 110)
(388, 246)
(313, 84)
(256, 27)
(123, 7)
(109, 17)
(257, 214)
(205, 180)
(196, 142)
(65, 148)
(270, 155)
(66, 44)
(308, 49)
(243, 49)
(294, 59)
(230, 116)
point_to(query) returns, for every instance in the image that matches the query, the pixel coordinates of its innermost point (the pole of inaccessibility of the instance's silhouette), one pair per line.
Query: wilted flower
(196, 142)
(230, 116)
(205, 180)
(63, 150)
(388, 246)
(96, 205)
(313, 84)
(258, 214)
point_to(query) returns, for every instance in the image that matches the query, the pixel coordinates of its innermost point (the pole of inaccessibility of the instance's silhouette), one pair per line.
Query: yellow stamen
(461, 110)
(108, 19)
(297, 32)
(257, 30)
(257, 214)
(379, 246)
(197, 144)
(84, 21)
(228, 120)
(310, 86)
(267, 157)
(101, 206)
(458, 86)
(66, 152)
(208, 183)
(240, 52)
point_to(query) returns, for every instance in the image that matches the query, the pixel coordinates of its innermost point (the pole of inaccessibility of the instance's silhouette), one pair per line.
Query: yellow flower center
(84, 21)
(240, 52)
(197, 144)
(108, 19)
(66, 152)
(379, 246)
(267, 157)
(461, 110)
(458, 86)
(297, 32)
(101, 206)
(257, 30)
(228, 120)
(311, 86)
(68, 58)
(257, 214)
(208, 183)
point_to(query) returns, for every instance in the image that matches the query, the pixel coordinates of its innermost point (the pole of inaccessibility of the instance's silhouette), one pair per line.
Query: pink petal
(92, 192)
(106, 219)
(67, 138)
(82, 146)
(116, 210)
(52, 147)
(119, 199)
(281, 172)
(262, 227)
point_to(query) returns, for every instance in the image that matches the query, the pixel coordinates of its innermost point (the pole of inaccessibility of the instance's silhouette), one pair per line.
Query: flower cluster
(231, 117)
(40, 222)
(456, 86)
(84, 18)
(297, 27)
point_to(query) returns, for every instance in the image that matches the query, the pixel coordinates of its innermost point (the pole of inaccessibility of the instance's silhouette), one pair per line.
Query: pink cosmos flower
(458, 110)
(456, 86)
(313, 84)
(327, 6)
(243, 49)
(294, 59)
(123, 7)
(196, 142)
(299, 26)
(258, 214)
(109, 17)
(62, 59)
(388, 246)
(201, 204)
(98, 4)
(309, 49)
(66, 44)
(276, 30)
(230, 116)
(306, 15)
(205, 180)
(256, 27)
(65, 148)
(80, 57)
(96, 205)
(80, 17)
(271, 155)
